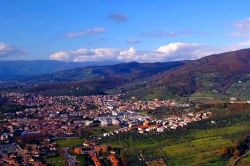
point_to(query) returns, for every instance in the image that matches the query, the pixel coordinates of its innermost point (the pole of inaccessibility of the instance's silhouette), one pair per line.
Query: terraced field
(204, 149)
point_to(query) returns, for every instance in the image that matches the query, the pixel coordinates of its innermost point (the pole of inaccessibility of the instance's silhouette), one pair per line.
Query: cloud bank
(169, 52)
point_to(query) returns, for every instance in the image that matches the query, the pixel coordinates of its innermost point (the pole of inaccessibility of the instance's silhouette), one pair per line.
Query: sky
(124, 31)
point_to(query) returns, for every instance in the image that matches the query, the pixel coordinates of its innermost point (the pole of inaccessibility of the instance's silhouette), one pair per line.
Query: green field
(69, 142)
(56, 161)
(206, 94)
(204, 149)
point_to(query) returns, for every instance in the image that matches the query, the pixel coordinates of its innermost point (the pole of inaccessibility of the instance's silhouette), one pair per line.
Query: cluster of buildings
(63, 116)
(29, 154)
(170, 123)
(97, 153)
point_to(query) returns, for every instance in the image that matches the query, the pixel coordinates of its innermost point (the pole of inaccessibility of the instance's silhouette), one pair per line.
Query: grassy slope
(204, 148)
(240, 90)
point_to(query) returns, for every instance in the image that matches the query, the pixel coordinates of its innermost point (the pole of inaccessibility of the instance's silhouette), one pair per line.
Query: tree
(124, 158)
(224, 152)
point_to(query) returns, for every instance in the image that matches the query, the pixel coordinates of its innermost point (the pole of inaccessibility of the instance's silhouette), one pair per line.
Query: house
(101, 148)
(96, 161)
(115, 122)
(88, 122)
(114, 160)
(77, 150)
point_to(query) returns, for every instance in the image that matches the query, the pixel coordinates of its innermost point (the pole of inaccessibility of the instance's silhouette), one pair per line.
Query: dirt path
(239, 158)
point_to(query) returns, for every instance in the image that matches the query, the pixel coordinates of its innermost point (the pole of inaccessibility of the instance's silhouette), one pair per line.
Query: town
(28, 134)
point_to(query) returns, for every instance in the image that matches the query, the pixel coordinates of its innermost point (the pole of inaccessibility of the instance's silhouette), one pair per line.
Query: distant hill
(93, 80)
(13, 70)
(226, 74)
(128, 71)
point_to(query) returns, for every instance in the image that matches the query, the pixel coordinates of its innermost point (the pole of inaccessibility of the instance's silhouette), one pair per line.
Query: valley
(172, 113)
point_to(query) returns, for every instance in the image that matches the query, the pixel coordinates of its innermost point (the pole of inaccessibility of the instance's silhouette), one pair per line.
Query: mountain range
(219, 75)
(13, 70)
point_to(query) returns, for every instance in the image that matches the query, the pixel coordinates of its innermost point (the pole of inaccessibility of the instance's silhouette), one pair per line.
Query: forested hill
(216, 75)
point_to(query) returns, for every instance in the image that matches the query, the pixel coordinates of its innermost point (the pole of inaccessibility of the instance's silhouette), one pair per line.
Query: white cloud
(86, 32)
(83, 54)
(8, 51)
(128, 55)
(169, 52)
(99, 54)
(61, 56)
(183, 51)
(172, 47)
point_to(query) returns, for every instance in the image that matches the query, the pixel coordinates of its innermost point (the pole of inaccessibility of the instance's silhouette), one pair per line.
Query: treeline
(3, 100)
(10, 108)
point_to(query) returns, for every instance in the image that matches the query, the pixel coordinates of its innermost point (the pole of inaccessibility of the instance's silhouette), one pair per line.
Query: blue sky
(132, 30)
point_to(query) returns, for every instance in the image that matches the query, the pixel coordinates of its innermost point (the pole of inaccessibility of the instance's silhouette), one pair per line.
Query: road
(71, 159)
